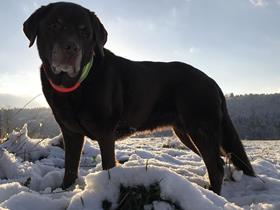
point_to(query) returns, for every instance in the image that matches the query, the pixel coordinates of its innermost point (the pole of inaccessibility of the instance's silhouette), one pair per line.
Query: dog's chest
(78, 115)
(67, 113)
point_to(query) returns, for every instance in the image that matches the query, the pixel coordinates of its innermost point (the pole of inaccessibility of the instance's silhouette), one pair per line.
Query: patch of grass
(168, 146)
(27, 182)
(106, 205)
(135, 198)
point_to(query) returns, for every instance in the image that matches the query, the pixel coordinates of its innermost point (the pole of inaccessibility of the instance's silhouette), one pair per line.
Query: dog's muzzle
(66, 58)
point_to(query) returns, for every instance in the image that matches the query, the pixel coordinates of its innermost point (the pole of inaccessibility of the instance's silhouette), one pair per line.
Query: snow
(32, 170)
(101, 186)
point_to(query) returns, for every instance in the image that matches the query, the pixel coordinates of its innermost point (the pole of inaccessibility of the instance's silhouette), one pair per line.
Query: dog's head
(68, 37)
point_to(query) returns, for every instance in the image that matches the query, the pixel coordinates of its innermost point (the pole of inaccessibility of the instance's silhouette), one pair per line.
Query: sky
(237, 43)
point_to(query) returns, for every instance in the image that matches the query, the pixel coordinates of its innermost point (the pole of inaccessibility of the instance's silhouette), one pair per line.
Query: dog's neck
(62, 89)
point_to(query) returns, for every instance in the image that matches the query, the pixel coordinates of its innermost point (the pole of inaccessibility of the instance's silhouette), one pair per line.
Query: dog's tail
(232, 144)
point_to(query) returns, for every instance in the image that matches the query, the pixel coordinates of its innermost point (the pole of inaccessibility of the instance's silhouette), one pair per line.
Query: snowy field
(31, 171)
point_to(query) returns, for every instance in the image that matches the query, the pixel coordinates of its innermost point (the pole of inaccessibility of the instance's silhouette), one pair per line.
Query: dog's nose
(71, 47)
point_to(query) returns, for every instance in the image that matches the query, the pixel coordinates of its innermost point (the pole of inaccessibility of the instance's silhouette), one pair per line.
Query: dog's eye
(83, 31)
(56, 25)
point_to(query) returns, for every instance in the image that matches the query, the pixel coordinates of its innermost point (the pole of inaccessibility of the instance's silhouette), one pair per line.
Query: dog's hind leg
(208, 146)
(185, 139)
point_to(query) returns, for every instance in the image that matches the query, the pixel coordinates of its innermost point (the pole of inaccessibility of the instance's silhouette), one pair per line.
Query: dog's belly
(162, 114)
(154, 122)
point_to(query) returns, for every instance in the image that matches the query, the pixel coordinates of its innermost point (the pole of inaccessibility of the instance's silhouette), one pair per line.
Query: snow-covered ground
(31, 171)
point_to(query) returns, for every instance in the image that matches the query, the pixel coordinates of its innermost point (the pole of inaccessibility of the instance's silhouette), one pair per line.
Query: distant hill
(255, 117)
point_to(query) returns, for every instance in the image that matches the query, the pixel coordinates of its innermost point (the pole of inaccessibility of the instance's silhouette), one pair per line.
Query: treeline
(255, 117)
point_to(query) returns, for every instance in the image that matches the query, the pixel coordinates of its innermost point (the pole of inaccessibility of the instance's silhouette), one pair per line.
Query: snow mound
(105, 185)
(22, 146)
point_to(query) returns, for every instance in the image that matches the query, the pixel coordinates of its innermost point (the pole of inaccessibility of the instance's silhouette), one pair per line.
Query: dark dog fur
(120, 96)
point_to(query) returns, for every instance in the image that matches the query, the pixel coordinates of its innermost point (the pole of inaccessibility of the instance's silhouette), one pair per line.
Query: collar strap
(85, 72)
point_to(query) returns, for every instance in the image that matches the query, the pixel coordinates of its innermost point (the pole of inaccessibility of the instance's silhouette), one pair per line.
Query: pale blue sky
(236, 42)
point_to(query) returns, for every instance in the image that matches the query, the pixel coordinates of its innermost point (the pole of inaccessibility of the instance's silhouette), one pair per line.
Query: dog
(93, 92)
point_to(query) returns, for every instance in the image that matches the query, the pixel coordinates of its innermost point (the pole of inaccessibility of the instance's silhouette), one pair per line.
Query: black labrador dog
(94, 93)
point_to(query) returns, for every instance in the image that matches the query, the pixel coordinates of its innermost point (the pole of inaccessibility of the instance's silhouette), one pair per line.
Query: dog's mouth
(65, 74)
(65, 70)
(66, 77)
(66, 65)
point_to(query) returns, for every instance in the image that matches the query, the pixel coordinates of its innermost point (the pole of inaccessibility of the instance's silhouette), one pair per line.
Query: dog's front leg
(107, 149)
(73, 144)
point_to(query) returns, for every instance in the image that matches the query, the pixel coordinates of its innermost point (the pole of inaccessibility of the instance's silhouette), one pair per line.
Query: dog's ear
(100, 33)
(31, 25)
